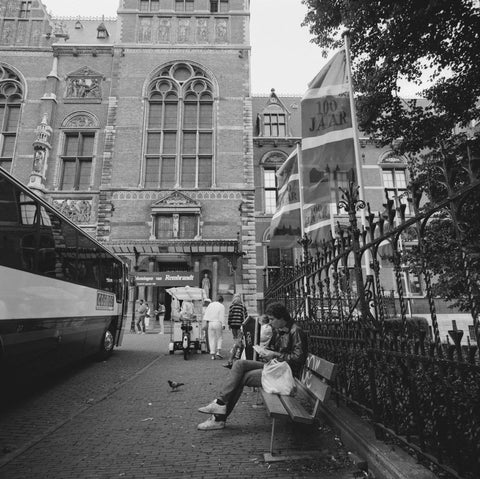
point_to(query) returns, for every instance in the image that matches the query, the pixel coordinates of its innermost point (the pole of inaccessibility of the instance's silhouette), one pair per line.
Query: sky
(282, 55)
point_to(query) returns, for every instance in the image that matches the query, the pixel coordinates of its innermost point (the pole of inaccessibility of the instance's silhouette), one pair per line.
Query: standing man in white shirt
(215, 316)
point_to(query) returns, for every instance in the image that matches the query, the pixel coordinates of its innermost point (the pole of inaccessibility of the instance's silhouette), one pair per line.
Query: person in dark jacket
(288, 343)
(237, 314)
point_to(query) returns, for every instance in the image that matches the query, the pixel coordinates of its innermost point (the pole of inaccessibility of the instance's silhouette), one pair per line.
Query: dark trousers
(244, 372)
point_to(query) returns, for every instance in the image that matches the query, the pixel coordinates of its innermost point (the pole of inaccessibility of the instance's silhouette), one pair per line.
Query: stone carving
(221, 30)
(39, 161)
(83, 88)
(81, 121)
(60, 30)
(183, 29)
(164, 30)
(202, 30)
(21, 33)
(176, 199)
(36, 34)
(78, 211)
(11, 8)
(41, 152)
(43, 132)
(145, 34)
(7, 33)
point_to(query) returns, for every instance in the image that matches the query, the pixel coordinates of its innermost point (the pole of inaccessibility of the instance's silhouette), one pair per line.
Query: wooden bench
(312, 389)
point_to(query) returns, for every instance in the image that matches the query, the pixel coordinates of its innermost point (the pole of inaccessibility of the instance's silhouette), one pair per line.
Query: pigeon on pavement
(174, 385)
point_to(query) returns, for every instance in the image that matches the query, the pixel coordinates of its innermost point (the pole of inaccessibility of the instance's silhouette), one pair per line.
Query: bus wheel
(106, 346)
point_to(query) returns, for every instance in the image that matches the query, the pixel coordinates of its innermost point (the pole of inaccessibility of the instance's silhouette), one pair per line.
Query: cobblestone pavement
(119, 419)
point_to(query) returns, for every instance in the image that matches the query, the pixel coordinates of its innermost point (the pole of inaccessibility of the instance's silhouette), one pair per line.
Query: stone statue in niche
(83, 88)
(202, 31)
(145, 30)
(11, 8)
(39, 161)
(221, 30)
(7, 34)
(183, 26)
(206, 285)
(164, 30)
(175, 225)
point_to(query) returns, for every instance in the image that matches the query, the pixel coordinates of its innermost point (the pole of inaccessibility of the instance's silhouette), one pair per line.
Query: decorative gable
(84, 84)
(176, 202)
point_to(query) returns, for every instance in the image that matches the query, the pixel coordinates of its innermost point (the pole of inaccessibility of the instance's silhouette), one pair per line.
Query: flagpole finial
(346, 32)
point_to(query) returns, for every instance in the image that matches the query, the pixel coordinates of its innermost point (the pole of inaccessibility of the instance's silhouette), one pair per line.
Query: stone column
(41, 149)
(149, 292)
(214, 279)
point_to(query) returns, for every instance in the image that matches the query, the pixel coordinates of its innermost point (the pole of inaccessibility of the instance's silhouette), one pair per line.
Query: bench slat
(321, 367)
(296, 411)
(274, 405)
(320, 389)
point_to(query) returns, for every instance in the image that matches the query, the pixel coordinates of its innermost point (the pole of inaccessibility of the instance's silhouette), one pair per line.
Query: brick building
(142, 129)
(139, 128)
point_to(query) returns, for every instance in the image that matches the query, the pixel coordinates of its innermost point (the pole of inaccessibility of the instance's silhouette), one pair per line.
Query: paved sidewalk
(141, 429)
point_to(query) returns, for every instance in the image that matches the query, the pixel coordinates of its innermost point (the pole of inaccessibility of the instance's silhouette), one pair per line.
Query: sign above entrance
(167, 278)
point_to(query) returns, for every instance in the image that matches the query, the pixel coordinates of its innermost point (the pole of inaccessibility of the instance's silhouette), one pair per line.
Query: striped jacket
(237, 314)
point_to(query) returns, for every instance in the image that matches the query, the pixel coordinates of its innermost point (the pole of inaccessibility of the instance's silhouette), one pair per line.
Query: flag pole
(300, 187)
(356, 142)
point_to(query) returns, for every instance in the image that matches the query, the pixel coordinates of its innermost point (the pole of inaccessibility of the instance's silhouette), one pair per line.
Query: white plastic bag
(277, 378)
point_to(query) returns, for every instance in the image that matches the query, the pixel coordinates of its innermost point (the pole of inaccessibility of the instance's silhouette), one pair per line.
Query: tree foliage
(393, 41)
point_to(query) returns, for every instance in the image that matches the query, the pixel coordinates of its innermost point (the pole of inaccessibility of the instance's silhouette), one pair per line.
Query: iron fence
(394, 370)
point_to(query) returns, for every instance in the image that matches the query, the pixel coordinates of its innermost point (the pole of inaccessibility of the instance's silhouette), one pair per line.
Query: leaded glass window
(180, 129)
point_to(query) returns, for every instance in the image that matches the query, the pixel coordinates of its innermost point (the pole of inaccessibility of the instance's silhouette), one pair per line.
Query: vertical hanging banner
(327, 143)
(285, 226)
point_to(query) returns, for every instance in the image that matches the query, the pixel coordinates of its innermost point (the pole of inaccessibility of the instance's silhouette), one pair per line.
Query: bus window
(28, 209)
(57, 247)
(8, 203)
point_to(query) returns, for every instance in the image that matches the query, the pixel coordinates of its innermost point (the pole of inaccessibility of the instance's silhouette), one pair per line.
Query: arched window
(11, 96)
(180, 120)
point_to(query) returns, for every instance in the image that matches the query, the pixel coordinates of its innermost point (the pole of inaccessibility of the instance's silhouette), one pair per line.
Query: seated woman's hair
(278, 310)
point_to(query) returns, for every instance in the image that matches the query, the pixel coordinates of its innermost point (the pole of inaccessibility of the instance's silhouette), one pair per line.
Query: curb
(384, 461)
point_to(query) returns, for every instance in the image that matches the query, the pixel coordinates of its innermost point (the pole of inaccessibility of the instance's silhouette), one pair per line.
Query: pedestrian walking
(160, 317)
(215, 317)
(237, 314)
(288, 343)
(142, 312)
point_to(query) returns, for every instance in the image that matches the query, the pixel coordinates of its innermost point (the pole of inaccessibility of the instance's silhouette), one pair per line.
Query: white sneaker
(210, 424)
(214, 408)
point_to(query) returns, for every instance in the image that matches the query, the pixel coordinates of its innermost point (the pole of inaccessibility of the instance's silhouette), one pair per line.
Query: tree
(393, 41)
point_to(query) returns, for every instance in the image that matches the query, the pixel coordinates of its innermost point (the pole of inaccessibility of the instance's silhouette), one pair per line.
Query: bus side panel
(51, 321)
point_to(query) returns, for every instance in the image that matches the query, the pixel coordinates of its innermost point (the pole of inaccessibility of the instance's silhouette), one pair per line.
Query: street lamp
(135, 289)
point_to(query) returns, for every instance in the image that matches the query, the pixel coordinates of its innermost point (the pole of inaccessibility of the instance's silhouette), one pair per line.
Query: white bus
(62, 294)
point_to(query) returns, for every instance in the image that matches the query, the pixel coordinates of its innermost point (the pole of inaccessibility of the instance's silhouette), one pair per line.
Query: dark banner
(251, 332)
(167, 278)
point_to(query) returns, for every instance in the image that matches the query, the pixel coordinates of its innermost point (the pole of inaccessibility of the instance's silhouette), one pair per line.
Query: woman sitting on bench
(288, 343)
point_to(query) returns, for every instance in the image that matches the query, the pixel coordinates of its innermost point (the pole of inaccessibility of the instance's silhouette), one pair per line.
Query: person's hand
(269, 355)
